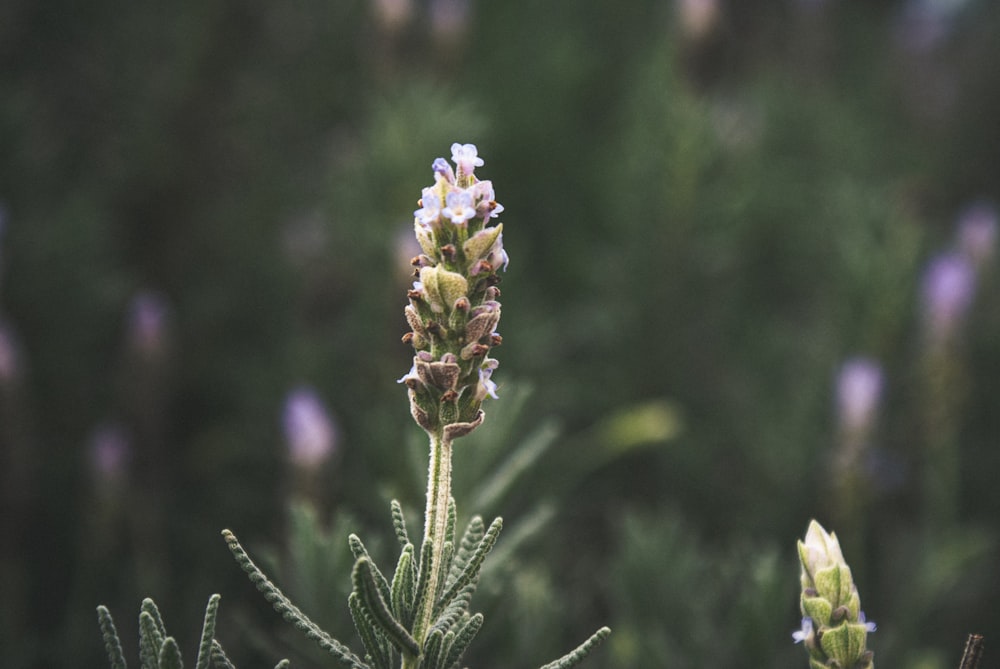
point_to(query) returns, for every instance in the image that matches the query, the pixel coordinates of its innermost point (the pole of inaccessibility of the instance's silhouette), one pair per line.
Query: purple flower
(449, 19)
(460, 207)
(859, 389)
(486, 385)
(805, 632)
(147, 322)
(109, 453)
(497, 255)
(466, 157)
(485, 199)
(9, 363)
(443, 171)
(869, 625)
(948, 288)
(977, 233)
(430, 208)
(309, 430)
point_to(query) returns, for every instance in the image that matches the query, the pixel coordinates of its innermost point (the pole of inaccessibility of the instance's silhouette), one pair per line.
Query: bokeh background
(753, 281)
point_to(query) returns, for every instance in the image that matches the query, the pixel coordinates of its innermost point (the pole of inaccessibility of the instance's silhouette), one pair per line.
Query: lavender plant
(420, 617)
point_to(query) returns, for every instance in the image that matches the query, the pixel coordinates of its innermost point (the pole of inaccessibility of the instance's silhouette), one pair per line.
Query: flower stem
(435, 528)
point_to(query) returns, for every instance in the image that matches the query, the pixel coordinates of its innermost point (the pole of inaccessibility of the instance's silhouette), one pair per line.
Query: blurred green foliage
(704, 219)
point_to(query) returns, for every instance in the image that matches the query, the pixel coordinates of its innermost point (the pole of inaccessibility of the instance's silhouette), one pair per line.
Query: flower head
(453, 310)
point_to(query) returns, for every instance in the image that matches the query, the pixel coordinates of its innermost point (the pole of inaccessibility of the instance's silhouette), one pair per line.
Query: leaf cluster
(384, 609)
(157, 649)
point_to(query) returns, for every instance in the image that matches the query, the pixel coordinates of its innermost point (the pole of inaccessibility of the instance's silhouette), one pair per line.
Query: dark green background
(711, 222)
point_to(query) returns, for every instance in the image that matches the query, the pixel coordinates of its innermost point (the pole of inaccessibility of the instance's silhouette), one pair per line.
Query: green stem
(435, 528)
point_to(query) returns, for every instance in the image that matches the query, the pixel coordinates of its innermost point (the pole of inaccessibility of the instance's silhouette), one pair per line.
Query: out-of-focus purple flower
(310, 432)
(948, 288)
(449, 20)
(870, 625)
(147, 322)
(698, 17)
(859, 390)
(393, 14)
(924, 24)
(977, 233)
(109, 453)
(9, 359)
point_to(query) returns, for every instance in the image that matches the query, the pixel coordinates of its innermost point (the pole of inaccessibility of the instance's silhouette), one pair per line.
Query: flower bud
(830, 605)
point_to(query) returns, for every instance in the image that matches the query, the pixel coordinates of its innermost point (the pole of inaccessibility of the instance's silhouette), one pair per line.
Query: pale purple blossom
(443, 171)
(486, 385)
(497, 256)
(804, 632)
(948, 288)
(430, 209)
(859, 390)
(460, 207)
(310, 432)
(466, 158)
(485, 199)
(870, 625)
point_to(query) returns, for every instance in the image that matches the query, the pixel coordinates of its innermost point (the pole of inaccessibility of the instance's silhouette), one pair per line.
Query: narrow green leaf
(449, 531)
(447, 552)
(150, 641)
(208, 632)
(403, 588)
(149, 606)
(359, 551)
(426, 564)
(577, 655)
(289, 611)
(369, 633)
(432, 649)
(366, 585)
(170, 655)
(219, 658)
(112, 642)
(470, 574)
(473, 534)
(463, 637)
(455, 611)
(399, 523)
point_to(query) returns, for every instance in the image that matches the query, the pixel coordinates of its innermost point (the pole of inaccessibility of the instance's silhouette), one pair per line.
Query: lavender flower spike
(453, 310)
(834, 630)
